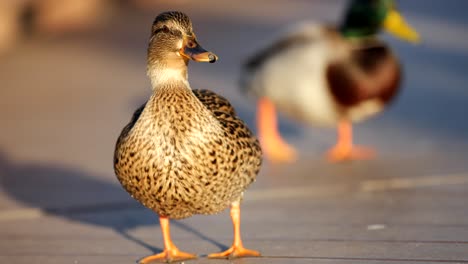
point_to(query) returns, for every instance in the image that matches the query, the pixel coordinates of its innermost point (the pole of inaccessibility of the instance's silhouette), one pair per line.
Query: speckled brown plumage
(186, 152)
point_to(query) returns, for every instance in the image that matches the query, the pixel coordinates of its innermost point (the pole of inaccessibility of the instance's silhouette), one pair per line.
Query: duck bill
(197, 53)
(395, 24)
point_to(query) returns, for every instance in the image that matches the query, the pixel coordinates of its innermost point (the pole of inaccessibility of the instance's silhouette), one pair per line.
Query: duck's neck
(358, 32)
(162, 76)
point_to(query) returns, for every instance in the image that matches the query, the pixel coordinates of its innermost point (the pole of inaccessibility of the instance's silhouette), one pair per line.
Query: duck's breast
(175, 160)
(366, 81)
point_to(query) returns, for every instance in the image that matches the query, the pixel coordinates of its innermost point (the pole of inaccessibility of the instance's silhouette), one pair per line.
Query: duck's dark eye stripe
(167, 30)
(157, 31)
(163, 29)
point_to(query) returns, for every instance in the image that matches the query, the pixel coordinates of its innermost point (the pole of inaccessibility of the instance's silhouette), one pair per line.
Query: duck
(185, 151)
(327, 75)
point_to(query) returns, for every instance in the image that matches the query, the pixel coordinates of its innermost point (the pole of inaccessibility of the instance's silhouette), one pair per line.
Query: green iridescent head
(365, 18)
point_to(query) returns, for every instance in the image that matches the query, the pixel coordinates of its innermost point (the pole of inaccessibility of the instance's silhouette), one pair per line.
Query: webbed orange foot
(345, 149)
(235, 252)
(167, 256)
(279, 152)
(171, 252)
(338, 153)
(237, 249)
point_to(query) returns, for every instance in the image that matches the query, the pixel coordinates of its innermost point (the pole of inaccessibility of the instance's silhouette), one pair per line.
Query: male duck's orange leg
(274, 147)
(344, 148)
(237, 249)
(171, 252)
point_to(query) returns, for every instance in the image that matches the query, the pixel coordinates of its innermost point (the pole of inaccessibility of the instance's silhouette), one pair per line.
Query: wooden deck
(63, 102)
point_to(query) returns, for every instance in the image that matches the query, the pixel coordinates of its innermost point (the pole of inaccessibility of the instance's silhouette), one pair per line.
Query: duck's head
(172, 45)
(365, 18)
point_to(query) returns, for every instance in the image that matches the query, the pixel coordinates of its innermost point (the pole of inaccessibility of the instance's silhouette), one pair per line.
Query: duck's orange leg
(171, 252)
(344, 148)
(237, 249)
(273, 145)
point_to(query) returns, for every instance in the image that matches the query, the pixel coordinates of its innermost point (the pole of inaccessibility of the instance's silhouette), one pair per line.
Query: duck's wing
(252, 76)
(300, 34)
(129, 126)
(371, 72)
(244, 143)
(214, 102)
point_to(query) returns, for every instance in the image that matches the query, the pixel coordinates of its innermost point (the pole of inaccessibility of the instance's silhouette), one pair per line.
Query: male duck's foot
(273, 145)
(168, 256)
(279, 152)
(339, 153)
(235, 252)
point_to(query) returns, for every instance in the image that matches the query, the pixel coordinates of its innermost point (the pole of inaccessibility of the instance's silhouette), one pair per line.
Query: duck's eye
(191, 44)
(165, 29)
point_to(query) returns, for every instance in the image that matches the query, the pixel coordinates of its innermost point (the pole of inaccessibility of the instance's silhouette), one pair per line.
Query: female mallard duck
(328, 76)
(185, 151)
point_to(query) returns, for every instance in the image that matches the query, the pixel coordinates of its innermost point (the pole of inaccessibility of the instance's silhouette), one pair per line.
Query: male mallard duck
(185, 151)
(327, 76)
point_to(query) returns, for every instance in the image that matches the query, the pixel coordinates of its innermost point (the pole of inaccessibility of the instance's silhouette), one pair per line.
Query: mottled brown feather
(186, 152)
(214, 102)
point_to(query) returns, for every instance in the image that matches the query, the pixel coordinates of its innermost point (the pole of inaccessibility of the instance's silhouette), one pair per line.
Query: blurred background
(73, 71)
